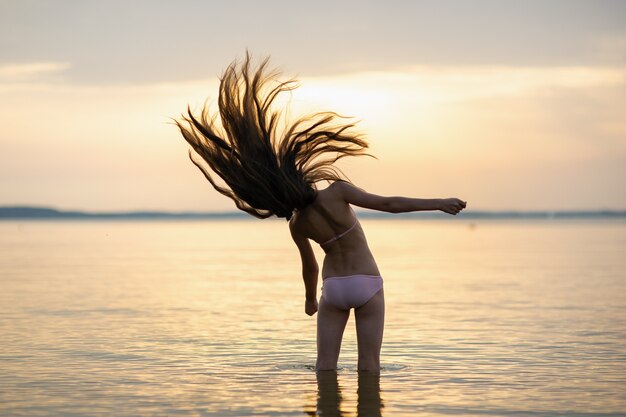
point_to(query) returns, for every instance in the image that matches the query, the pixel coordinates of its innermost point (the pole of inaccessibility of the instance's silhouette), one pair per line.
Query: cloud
(453, 83)
(432, 83)
(11, 73)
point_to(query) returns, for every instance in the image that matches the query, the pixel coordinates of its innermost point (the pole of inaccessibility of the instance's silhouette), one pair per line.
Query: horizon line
(47, 212)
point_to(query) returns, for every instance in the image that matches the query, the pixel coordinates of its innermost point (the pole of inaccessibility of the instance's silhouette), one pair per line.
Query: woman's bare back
(327, 217)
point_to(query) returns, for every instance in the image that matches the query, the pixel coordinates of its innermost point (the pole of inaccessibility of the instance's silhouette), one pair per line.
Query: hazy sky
(509, 105)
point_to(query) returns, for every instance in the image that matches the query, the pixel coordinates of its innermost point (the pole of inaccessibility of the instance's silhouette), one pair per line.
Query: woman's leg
(331, 323)
(370, 321)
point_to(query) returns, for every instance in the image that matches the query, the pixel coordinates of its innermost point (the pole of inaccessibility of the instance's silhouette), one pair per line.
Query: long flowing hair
(267, 171)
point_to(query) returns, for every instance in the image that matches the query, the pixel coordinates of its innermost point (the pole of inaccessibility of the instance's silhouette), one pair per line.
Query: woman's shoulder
(336, 188)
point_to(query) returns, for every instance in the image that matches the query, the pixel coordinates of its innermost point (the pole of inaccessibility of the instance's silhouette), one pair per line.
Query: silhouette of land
(31, 212)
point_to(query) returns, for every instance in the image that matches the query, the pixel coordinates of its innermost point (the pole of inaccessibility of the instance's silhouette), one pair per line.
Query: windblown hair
(267, 172)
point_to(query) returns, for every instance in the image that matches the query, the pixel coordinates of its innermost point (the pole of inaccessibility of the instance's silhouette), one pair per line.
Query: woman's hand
(452, 205)
(310, 307)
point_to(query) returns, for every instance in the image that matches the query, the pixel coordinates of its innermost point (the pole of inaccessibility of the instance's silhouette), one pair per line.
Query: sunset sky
(508, 105)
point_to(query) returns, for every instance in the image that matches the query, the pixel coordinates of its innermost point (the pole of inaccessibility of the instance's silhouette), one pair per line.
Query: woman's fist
(452, 205)
(310, 307)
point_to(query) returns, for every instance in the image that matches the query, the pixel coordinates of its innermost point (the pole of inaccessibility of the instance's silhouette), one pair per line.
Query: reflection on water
(206, 318)
(369, 403)
(328, 394)
(330, 399)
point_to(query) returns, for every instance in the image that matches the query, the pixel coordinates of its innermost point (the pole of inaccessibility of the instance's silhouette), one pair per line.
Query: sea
(205, 317)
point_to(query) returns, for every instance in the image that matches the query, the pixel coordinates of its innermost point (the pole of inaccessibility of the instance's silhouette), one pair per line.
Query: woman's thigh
(370, 323)
(331, 323)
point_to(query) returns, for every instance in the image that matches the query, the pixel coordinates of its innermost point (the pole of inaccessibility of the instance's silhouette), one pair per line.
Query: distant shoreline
(43, 213)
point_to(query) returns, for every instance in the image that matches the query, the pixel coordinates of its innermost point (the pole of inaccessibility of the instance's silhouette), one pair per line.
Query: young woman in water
(270, 172)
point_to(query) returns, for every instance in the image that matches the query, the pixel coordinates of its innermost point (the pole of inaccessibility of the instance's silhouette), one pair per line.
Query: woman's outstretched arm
(359, 197)
(310, 269)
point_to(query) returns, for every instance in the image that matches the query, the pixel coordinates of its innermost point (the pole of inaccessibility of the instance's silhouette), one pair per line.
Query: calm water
(206, 318)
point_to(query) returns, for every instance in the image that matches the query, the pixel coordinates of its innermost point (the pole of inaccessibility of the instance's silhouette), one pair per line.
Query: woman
(270, 172)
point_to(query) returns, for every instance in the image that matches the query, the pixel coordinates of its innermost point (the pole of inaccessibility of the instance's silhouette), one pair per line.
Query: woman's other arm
(310, 269)
(359, 197)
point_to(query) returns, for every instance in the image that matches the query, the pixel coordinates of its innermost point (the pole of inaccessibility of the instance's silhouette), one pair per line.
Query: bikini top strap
(332, 239)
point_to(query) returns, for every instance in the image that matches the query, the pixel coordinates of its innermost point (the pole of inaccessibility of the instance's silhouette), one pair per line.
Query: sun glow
(554, 125)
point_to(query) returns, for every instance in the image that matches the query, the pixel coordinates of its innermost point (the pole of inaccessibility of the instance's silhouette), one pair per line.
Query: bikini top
(332, 239)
